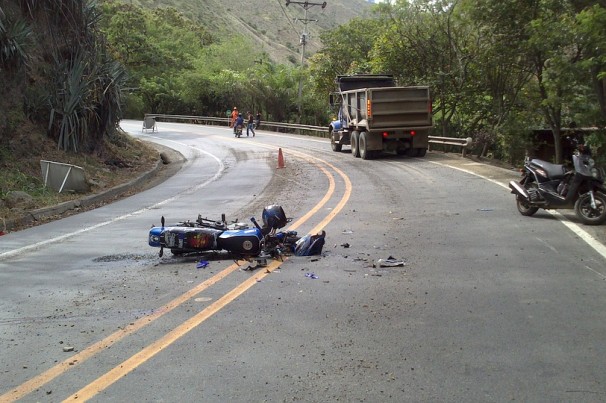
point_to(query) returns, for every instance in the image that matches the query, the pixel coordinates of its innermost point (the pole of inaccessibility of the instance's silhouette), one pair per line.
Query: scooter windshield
(582, 164)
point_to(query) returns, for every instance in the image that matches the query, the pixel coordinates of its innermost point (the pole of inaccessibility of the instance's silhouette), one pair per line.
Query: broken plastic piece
(311, 275)
(390, 262)
(202, 264)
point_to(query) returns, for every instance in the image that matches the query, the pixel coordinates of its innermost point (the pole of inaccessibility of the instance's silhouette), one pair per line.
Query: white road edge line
(581, 233)
(37, 245)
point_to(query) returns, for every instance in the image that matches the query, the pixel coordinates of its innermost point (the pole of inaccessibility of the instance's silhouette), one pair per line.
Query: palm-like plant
(15, 38)
(69, 109)
(86, 88)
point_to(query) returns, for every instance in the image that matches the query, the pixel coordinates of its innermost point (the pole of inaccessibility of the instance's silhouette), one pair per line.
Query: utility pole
(303, 40)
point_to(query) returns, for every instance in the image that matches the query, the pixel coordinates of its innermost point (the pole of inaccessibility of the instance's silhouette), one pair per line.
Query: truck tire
(336, 147)
(355, 144)
(421, 152)
(364, 153)
(412, 152)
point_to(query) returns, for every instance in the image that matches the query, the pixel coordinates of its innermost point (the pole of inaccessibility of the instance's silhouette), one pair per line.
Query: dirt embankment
(111, 178)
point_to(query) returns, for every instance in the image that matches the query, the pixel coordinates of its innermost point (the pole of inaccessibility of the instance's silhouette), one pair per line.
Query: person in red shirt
(234, 116)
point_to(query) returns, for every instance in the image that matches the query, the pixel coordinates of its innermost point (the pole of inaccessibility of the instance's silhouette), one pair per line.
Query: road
(489, 306)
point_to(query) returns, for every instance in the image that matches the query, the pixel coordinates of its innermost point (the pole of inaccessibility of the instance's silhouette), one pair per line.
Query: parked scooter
(552, 186)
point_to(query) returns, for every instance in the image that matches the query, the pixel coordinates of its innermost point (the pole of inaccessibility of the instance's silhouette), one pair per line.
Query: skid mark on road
(150, 351)
(139, 358)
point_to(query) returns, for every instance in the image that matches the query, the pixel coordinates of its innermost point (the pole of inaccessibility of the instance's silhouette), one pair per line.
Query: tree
(346, 50)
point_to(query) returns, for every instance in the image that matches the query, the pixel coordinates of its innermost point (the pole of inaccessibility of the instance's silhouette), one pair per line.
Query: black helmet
(274, 217)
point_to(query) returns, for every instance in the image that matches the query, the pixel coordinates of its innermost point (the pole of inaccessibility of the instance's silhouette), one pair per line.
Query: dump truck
(376, 116)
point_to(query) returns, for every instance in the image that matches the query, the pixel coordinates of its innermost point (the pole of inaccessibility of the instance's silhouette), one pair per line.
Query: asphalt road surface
(489, 305)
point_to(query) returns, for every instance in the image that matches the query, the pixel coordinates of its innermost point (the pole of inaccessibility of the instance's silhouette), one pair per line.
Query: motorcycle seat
(554, 171)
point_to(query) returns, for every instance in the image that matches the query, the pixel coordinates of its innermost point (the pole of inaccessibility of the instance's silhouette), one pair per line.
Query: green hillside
(270, 24)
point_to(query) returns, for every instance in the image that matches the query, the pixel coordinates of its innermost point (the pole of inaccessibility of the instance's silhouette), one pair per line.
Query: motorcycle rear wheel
(524, 207)
(588, 215)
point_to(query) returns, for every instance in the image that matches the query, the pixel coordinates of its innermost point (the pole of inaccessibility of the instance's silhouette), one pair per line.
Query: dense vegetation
(497, 69)
(57, 73)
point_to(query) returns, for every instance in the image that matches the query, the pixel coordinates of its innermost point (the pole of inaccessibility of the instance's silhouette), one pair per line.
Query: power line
(303, 38)
(286, 15)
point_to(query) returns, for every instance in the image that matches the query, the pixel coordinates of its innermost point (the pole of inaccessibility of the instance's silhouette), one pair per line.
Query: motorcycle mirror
(254, 221)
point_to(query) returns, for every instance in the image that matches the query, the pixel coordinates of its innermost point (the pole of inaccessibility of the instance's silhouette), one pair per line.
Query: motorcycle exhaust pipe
(518, 189)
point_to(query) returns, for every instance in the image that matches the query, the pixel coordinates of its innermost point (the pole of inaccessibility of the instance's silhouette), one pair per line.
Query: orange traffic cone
(280, 159)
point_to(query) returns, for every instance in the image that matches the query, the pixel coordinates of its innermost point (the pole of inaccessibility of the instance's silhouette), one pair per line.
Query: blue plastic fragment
(202, 264)
(311, 275)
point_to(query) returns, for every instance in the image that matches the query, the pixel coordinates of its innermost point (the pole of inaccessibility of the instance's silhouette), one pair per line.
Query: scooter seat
(554, 171)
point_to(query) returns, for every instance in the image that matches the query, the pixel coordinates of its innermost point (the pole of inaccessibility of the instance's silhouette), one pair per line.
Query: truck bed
(390, 107)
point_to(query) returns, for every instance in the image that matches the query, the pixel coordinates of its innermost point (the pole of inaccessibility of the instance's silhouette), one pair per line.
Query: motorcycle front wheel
(589, 215)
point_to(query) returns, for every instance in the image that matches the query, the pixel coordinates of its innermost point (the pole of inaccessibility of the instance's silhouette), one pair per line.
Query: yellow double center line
(136, 360)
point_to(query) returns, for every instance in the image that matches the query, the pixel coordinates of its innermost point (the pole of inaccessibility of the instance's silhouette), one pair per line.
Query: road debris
(390, 262)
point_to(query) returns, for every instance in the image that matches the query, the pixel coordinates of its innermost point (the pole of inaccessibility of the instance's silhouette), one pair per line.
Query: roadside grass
(120, 160)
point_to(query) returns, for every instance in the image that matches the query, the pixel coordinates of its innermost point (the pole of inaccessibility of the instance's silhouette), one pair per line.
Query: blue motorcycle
(243, 241)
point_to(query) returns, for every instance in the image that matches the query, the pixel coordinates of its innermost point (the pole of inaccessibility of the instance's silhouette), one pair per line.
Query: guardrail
(465, 143)
(321, 131)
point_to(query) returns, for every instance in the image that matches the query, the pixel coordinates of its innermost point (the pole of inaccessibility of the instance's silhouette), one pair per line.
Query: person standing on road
(234, 116)
(258, 121)
(239, 123)
(250, 127)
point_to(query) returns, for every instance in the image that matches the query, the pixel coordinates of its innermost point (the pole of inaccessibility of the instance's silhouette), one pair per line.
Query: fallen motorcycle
(552, 186)
(243, 241)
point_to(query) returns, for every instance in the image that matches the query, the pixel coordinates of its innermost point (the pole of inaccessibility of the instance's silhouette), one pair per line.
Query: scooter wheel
(524, 207)
(588, 214)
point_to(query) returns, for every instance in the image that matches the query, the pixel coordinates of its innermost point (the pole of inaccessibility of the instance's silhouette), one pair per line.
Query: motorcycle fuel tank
(243, 242)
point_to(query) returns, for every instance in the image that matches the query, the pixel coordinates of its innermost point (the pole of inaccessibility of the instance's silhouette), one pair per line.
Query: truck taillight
(412, 132)
(385, 134)
(368, 109)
